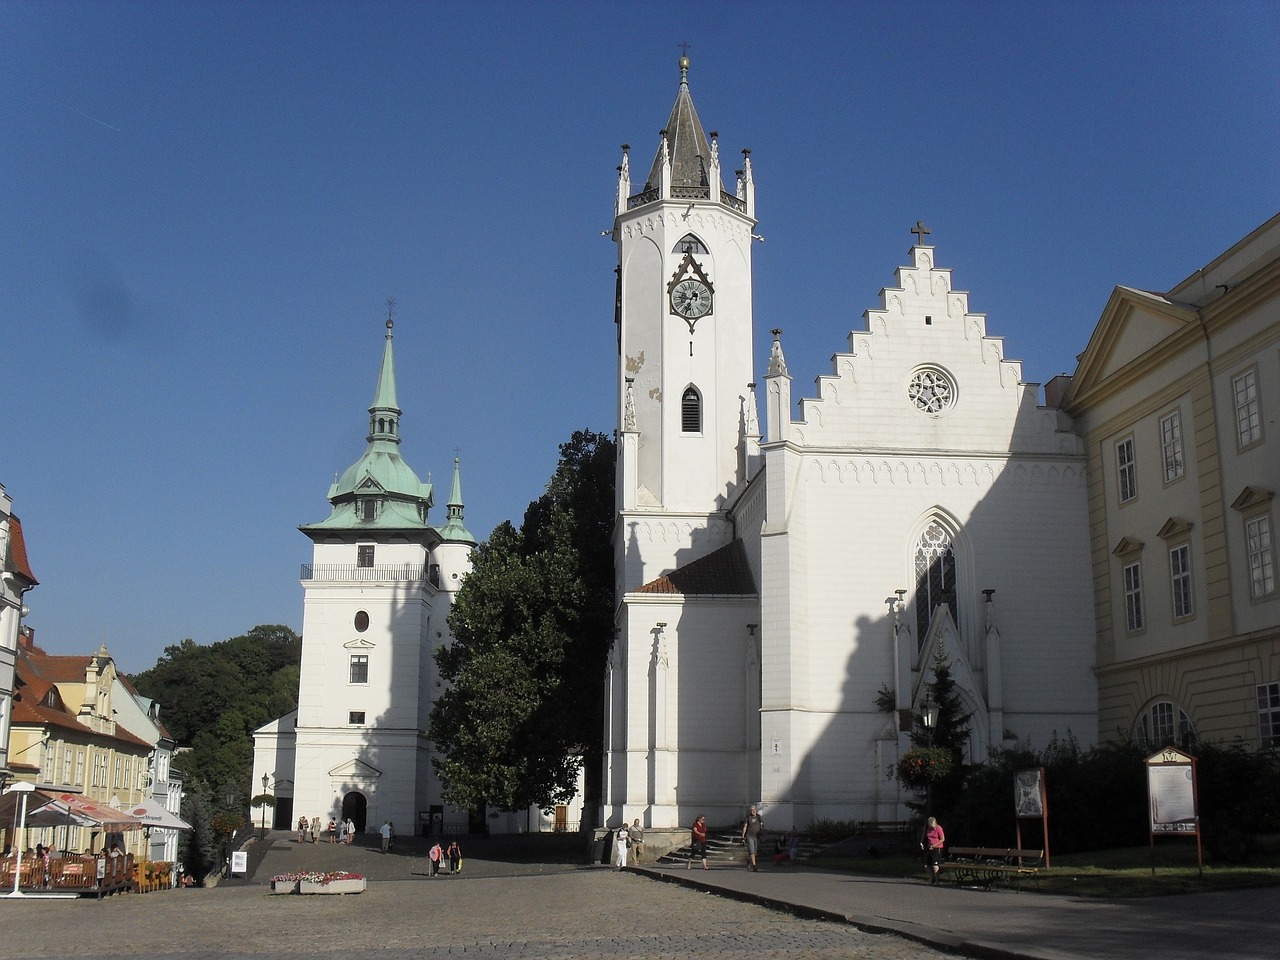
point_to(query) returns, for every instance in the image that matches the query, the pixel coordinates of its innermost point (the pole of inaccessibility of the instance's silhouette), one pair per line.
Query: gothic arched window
(689, 244)
(690, 411)
(935, 576)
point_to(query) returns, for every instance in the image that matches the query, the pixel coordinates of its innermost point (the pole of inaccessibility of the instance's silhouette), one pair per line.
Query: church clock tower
(685, 347)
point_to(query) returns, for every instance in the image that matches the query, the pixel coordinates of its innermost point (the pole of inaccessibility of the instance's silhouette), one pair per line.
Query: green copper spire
(379, 491)
(453, 528)
(384, 415)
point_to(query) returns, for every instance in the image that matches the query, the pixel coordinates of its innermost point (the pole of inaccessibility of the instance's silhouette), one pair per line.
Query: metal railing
(398, 573)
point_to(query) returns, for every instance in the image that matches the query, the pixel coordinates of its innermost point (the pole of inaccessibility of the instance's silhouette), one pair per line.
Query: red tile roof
(723, 572)
(31, 689)
(18, 550)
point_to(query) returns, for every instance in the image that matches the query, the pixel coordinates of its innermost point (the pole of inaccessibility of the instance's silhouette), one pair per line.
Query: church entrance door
(355, 808)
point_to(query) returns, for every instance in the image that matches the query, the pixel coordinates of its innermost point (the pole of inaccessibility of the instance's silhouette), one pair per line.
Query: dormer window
(369, 508)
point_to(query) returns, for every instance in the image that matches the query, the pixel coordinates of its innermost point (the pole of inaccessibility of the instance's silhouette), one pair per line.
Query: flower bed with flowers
(334, 881)
(921, 766)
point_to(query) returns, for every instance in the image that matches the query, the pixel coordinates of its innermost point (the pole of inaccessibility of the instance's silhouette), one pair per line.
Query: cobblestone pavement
(575, 912)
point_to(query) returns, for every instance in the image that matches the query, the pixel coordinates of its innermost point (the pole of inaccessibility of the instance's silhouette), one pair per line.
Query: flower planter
(284, 886)
(332, 887)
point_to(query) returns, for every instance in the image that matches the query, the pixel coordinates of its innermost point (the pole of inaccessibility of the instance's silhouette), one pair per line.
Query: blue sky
(207, 204)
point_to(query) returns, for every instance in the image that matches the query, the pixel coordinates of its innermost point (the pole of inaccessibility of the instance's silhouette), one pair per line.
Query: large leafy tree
(532, 624)
(213, 697)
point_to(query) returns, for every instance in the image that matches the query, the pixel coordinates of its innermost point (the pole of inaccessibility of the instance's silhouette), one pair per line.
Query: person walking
(932, 843)
(351, 830)
(621, 837)
(699, 843)
(635, 833)
(455, 858)
(752, 827)
(435, 854)
(315, 829)
(385, 831)
(333, 831)
(302, 829)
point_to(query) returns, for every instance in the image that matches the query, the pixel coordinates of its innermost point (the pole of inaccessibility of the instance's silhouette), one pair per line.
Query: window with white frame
(66, 766)
(1180, 581)
(1133, 610)
(48, 763)
(1244, 390)
(1126, 470)
(355, 717)
(1269, 714)
(1171, 445)
(93, 764)
(120, 782)
(1162, 724)
(359, 668)
(1262, 564)
(364, 555)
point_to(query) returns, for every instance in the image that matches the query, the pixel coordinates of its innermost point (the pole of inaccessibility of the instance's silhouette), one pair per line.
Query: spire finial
(391, 306)
(684, 61)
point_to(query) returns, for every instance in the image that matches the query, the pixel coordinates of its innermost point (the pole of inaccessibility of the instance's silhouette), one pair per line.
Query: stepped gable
(724, 572)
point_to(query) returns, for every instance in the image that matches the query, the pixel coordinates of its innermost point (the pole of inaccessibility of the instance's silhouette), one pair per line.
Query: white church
(376, 600)
(775, 572)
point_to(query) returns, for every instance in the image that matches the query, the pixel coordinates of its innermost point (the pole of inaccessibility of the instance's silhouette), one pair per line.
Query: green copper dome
(379, 491)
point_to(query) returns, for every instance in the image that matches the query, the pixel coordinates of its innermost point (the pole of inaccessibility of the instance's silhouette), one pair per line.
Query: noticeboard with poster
(1171, 798)
(1172, 793)
(1028, 793)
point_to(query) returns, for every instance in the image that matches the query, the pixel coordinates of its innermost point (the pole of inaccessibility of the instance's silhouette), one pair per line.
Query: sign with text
(1171, 798)
(239, 862)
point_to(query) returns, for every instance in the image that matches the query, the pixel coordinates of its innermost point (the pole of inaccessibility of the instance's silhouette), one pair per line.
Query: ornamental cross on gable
(921, 231)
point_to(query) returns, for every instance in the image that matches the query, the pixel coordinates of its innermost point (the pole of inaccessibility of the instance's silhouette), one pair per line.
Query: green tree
(211, 700)
(532, 624)
(950, 733)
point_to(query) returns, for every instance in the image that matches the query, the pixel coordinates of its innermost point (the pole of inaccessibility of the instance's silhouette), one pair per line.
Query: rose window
(931, 390)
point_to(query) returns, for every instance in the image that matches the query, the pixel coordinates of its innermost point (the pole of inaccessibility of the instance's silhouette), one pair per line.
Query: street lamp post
(929, 717)
(265, 779)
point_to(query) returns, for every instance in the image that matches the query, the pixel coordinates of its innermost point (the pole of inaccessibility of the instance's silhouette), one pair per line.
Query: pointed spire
(454, 528)
(384, 414)
(777, 362)
(684, 144)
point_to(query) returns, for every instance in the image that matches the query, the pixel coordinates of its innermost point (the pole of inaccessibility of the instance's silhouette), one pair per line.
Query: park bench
(985, 866)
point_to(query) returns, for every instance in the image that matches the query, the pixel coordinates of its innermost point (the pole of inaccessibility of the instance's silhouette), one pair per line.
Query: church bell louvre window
(935, 576)
(931, 390)
(691, 412)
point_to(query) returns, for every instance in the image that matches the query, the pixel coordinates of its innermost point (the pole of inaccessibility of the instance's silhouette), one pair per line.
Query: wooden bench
(986, 866)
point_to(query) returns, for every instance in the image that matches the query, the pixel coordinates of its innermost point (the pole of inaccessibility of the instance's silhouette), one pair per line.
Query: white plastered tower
(687, 441)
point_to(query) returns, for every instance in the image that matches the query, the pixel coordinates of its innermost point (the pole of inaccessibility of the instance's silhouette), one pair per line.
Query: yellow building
(1177, 397)
(64, 738)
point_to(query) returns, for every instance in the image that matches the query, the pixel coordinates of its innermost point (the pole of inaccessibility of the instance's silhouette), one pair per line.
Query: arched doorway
(355, 809)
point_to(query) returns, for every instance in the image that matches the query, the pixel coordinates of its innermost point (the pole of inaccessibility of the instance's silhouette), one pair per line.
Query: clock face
(691, 299)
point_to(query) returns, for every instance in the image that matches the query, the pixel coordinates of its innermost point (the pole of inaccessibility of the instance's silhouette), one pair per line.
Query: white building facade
(774, 582)
(376, 600)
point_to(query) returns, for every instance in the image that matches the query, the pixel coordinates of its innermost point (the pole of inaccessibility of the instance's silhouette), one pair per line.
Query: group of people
(443, 858)
(786, 850)
(338, 831)
(628, 841)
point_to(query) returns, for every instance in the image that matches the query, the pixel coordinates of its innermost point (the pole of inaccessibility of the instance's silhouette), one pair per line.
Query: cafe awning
(52, 808)
(153, 815)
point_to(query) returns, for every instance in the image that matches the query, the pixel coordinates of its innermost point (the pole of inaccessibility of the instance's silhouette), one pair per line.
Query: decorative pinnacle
(391, 306)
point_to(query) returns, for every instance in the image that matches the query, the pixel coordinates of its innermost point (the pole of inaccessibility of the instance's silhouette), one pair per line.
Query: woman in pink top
(934, 840)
